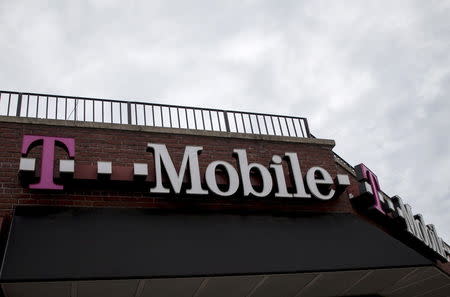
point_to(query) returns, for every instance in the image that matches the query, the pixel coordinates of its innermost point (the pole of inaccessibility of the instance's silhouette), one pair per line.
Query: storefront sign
(318, 182)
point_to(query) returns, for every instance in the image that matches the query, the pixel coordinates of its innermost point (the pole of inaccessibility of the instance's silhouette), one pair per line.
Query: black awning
(91, 243)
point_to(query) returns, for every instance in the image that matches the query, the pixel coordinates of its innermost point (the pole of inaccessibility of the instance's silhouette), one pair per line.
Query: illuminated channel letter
(319, 176)
(246, 168)
(280, 178)
(364, 173)
(300, 191)
(162, 158)
(48, 157)
(232, 176)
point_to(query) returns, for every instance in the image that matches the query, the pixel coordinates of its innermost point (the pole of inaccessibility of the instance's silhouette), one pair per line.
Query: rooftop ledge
(58, 110)
(113, 126)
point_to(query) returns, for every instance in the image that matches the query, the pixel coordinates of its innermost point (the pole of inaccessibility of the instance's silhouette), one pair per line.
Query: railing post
(227, 125)
(129, 112)
(75, 108)
(19, 105)
(308, 134)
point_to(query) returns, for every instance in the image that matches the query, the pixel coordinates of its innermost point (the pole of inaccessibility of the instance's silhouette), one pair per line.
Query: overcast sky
(372, 75)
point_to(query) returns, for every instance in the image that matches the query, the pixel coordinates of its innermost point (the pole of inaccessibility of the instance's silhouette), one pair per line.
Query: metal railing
(341, 161)
(69, 108)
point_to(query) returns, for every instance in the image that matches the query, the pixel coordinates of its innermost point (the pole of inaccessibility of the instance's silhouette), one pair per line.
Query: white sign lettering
(318, 181)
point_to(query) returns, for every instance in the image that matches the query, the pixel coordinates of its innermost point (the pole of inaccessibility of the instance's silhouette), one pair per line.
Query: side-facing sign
(374, 199)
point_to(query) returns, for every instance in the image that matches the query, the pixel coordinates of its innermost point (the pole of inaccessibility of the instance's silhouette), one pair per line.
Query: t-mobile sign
(316, 183)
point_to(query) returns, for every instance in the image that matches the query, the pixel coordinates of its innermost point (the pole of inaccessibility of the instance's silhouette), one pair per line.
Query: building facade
(113, 198)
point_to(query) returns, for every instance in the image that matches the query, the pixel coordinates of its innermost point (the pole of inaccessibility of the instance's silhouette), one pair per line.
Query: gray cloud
(373, 75)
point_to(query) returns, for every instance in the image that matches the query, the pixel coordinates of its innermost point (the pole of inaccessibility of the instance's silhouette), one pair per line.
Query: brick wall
(124, 147)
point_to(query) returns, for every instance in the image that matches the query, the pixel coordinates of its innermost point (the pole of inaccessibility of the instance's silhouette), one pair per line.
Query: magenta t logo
(48, 157)
(364, 173)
